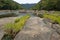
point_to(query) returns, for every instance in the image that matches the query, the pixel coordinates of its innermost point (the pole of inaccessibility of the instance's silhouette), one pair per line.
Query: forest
(47, 5)
(9, 5)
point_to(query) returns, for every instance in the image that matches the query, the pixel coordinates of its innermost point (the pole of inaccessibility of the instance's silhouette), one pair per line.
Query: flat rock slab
(36, 29)
(3, 21)
(1, 34)
(6, 20)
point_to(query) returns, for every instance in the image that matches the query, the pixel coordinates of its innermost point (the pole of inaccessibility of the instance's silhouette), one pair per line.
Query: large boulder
(36, 29)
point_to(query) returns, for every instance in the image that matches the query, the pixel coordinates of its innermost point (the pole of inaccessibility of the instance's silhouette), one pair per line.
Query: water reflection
(22, 14)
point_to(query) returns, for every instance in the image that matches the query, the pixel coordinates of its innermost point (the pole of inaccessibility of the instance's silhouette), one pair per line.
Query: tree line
(9, 5)
(47, 5)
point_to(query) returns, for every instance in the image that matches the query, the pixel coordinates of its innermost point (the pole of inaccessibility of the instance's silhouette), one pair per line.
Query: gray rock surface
(55, 36)
(3, 21)
(36, 29)
(56, 27)
(1, 34)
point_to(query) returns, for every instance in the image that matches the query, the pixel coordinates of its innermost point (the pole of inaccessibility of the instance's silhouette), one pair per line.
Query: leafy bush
(40, 15)
(47, 5)
(9, 5)
(14, 28)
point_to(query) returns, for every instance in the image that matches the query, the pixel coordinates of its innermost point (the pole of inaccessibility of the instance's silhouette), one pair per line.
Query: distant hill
(27, 6)
(9, 5)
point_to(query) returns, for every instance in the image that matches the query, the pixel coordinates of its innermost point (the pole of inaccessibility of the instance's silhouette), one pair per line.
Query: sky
(27, 1)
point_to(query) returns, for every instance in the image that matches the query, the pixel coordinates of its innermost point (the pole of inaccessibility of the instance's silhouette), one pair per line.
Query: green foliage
(18, 19)
(9, 28)
(13, 28)
(21, 21)
(7, 37)
(9, 5)
(40, 15)
(36, 7)
(54, 18)
(48, 5)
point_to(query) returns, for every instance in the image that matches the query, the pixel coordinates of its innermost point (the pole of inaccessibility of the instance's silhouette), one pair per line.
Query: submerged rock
(36, 29)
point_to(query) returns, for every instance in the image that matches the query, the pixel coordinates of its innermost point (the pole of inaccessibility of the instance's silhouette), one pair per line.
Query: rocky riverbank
(35, 28)
(3, 21)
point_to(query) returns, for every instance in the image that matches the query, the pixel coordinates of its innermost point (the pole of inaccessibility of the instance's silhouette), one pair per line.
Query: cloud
(27, 1)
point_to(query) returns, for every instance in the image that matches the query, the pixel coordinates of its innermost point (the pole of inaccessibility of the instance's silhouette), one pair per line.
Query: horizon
(26, 2)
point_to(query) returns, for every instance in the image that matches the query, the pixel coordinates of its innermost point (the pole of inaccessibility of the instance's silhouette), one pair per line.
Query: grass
(12, 29)
(55, 18)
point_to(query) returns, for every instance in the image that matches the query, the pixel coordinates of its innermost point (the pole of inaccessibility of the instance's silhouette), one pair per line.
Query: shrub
(40, 15)
(9, 28)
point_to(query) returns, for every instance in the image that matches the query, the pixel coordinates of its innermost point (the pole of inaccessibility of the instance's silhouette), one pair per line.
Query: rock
(55, 36)
(47, 22)
(3, 21)
(35, 29)
(1, 34)
(56, 27)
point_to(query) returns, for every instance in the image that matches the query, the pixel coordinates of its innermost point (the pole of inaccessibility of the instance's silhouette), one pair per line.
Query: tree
(48, 5)
(9, 5)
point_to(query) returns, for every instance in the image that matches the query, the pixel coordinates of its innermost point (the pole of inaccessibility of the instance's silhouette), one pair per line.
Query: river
(22, 14)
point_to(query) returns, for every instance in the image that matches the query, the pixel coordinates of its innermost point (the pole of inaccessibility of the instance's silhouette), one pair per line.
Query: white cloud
(27, 1)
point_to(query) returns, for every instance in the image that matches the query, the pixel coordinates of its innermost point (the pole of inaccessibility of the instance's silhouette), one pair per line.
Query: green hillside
(27, 6)
(9, 5)
(47, 5)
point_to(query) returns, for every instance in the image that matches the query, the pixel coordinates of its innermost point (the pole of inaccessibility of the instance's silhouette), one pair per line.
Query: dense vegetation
(9, 5)
(53, 17)
(27, 6)
(12, 29)
(47, 5)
